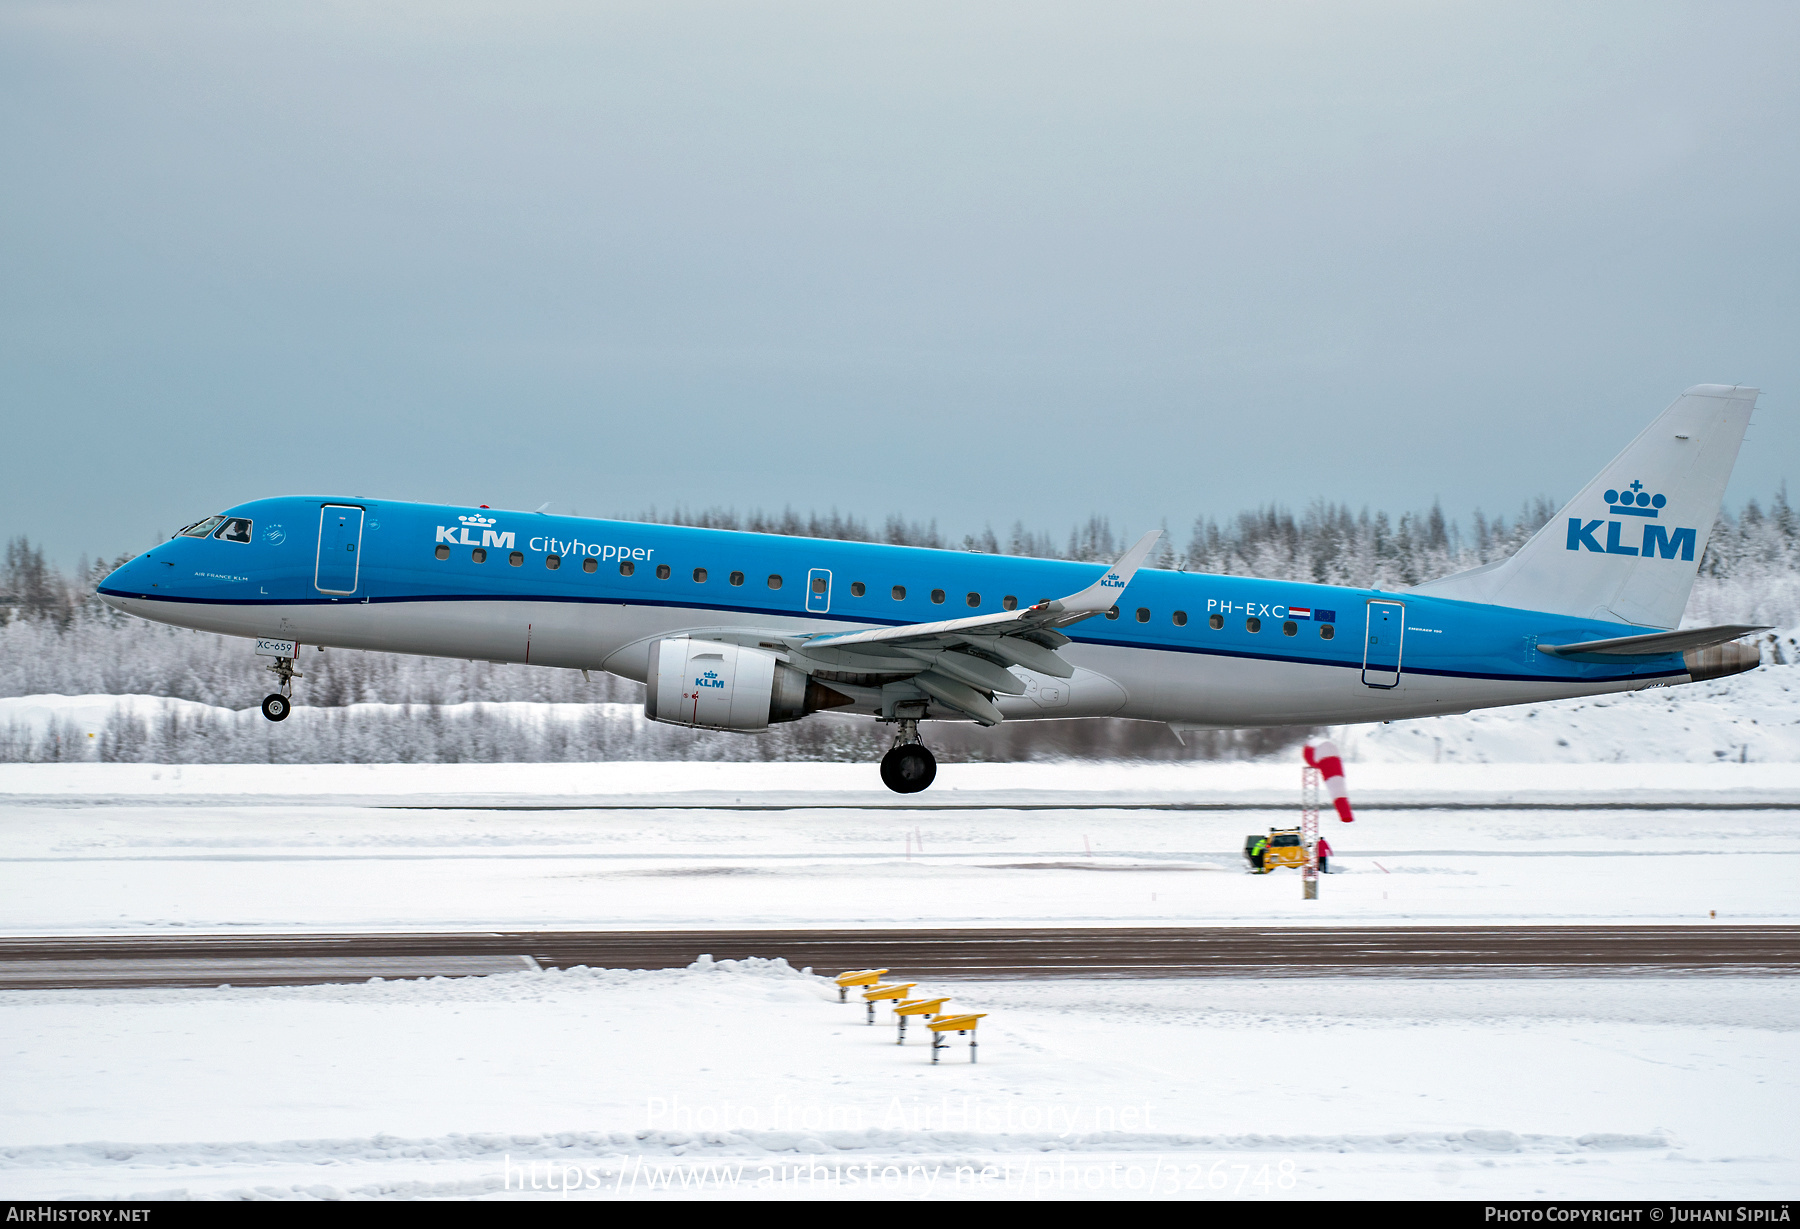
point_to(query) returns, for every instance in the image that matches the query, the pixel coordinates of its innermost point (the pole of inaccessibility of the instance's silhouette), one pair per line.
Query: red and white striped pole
(1322, 760)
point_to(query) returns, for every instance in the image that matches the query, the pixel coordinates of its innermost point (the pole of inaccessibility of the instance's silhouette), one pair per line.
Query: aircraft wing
(1100, 596)
(962, 662)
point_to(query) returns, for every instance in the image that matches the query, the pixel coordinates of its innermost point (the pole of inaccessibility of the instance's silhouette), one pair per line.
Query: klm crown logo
(1635, 501)
(476, 521)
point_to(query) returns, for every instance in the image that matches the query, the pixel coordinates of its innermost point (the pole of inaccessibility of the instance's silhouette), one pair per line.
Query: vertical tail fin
(1627, 547)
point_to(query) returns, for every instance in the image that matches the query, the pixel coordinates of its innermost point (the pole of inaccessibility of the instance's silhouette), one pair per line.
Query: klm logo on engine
(499, 541)
(1657, 541)
(709, 679)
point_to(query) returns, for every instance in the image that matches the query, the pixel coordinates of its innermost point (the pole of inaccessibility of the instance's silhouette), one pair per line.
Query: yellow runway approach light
(861, 977)
(953, 1024)
(917, 1007)
(875, 994)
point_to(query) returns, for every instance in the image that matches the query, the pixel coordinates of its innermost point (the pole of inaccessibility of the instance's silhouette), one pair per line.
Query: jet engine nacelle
(711, 686)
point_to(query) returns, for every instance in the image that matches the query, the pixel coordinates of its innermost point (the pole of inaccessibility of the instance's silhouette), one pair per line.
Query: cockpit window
(235, 529)
(202, 529)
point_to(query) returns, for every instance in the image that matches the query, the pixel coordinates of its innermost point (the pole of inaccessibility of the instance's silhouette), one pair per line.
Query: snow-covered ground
(1753, 717)
(743, 1081)
(714, 1080)
(710, 784)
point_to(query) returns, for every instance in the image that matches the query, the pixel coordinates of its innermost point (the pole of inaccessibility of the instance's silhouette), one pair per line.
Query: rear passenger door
(1382, 640)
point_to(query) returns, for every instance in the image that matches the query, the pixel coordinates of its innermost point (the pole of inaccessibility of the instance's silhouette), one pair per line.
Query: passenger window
(937, 596)
(590, 564)
(1326, 631)
(201, 529)
(818, 584)
(974, 599)
(479, 554)
(1009, 602)
(1290, 629)
(774, 582)
(899, 593)
(442, 551)
(1113, 613)
(516, 558)
(736, 578)
(553, 562)
(1180, 617)
(1215, 621)
(1253, 624)
(699, 576)
(627, 567)
(662, 571)
(234, 530)
(1143, 614)
(857, 589)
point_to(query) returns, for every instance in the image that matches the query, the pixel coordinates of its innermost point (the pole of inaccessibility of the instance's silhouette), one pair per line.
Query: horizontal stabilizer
(1655, 644)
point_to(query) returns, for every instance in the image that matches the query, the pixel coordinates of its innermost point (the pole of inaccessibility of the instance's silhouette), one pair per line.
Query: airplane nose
(124, 580)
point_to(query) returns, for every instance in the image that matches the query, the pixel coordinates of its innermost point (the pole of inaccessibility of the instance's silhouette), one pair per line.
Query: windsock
(1322, 753)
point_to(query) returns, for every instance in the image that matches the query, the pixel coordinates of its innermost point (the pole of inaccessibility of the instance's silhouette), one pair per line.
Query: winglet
(1103, 594)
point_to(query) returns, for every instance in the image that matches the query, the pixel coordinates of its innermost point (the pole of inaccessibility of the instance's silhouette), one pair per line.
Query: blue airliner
(738, 631)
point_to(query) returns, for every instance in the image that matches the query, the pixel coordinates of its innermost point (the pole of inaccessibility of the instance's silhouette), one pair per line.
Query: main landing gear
(909, 766)
(278, 705)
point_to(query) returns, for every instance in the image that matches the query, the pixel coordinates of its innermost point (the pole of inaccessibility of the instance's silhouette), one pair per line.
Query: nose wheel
(909, 766)
(278, 705)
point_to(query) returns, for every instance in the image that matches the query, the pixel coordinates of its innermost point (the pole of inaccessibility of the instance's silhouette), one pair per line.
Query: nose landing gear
(909, 766)
(278, 705)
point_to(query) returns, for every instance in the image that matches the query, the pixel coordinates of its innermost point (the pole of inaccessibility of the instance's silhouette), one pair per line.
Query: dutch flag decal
(1299, 612)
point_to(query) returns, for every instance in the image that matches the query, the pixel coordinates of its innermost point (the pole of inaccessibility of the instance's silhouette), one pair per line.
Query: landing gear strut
(909, 766)
(278, 705)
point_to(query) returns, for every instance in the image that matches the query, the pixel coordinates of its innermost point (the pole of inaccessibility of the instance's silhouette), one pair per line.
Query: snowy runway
(232, 847)
(1710, 949)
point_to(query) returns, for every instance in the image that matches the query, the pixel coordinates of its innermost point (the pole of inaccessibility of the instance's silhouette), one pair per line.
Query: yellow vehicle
(1281, 847)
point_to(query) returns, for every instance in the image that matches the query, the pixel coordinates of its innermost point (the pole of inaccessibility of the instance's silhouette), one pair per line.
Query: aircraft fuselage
(1190, 649)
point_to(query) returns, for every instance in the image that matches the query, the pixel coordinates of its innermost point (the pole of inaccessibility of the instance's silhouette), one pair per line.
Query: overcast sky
(975, 262)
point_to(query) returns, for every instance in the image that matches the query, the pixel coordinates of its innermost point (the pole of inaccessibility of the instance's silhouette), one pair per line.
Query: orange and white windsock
(1322, 753)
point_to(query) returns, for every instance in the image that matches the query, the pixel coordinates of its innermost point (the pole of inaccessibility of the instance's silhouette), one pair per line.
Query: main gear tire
(277, 707)
(908, 769)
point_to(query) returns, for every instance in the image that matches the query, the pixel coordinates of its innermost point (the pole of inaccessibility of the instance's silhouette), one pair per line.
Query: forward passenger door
(340, 549)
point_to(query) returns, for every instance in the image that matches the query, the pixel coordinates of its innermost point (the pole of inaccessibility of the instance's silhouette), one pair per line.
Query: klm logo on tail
(1634, 501)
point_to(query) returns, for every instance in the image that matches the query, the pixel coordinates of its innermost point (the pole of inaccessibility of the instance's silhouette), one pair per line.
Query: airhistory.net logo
(1635, 501)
